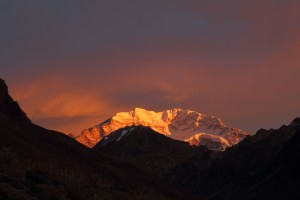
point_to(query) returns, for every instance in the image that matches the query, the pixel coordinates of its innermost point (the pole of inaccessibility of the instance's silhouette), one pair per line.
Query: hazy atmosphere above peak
(73, 64)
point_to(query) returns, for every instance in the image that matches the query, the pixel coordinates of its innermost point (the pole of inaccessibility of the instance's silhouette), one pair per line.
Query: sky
(72, 64)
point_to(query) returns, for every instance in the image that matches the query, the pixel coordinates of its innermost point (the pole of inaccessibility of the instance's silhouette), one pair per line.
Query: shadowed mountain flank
(9, 107)
(36, 163)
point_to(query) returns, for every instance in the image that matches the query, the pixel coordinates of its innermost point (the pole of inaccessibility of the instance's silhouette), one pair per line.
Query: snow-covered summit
(176, 123)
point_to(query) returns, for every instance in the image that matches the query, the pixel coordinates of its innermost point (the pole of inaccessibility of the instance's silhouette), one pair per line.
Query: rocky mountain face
(212, 142)
(9, 107)
(190, 126)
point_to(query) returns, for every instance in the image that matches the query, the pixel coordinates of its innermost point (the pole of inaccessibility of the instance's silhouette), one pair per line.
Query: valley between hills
(142, 154)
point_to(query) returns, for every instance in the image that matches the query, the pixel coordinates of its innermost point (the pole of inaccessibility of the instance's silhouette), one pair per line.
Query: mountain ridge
(262, 166)
(9, 107)
(253, 169)
(148, 149)
(36, 163)
(175, 123)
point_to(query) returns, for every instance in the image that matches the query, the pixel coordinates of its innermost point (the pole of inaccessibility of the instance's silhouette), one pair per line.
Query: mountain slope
(263, 166)
(175, 123)
(9, 107)
(148, 149)
(36, 163)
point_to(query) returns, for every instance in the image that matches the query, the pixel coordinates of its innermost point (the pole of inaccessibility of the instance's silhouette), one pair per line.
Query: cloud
(80, 63)
(53, 100)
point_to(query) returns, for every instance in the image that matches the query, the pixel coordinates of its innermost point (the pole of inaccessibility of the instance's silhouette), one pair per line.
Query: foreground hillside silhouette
(263, 166)
(36, 163)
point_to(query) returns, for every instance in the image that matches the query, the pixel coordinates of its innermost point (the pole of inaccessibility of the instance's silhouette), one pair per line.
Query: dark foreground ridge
(36, 163)
(8, 106)
(150, 150)
(263, 166)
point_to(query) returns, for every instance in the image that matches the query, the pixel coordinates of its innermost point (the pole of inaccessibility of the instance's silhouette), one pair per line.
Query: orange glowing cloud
(58, 102)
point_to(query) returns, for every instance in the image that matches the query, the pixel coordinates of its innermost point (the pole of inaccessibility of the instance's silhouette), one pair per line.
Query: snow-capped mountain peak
(176, 123)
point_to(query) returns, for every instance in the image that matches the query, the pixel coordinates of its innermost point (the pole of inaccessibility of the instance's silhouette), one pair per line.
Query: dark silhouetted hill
(8, 106)
(149, 149)
(263, 166)
(36, 163)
